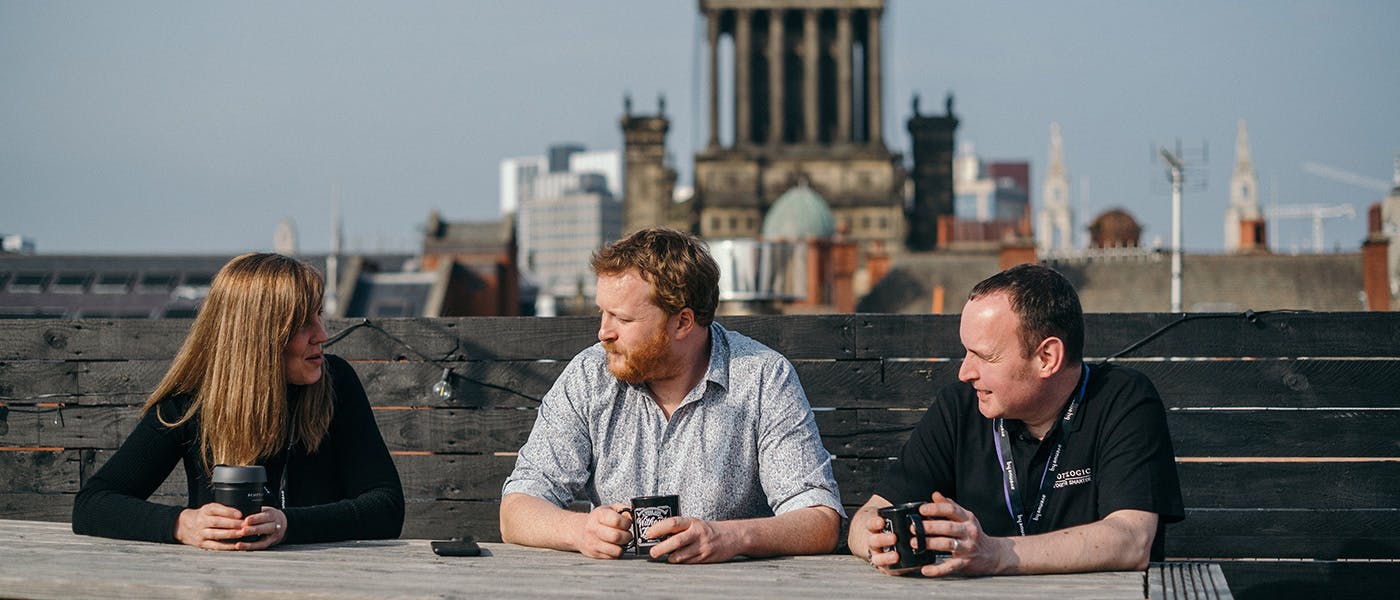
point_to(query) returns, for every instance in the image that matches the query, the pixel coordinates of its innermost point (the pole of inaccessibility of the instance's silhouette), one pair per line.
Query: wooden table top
(46, 560)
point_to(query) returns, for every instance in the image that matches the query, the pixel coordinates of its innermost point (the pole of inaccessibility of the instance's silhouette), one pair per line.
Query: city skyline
(161, 127)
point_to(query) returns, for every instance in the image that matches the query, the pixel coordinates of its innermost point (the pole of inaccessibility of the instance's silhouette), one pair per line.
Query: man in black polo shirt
(981, 456)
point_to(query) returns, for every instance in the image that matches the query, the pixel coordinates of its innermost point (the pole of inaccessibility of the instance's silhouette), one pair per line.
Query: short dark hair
(678, 266)
(1046, 304)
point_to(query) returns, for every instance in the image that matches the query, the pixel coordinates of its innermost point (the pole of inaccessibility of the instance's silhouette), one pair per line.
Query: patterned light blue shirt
(742, 444)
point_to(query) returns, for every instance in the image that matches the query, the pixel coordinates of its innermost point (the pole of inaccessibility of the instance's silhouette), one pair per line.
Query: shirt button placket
(666, 482)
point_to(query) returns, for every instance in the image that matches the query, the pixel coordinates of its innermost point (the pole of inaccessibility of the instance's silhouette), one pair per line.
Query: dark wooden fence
(1286, 425)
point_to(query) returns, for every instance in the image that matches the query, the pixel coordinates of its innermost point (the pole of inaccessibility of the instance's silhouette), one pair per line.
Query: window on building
(89, 313)
(26, 312)
(157, 281)
(199, 279)
(113, 283)
(29, 282)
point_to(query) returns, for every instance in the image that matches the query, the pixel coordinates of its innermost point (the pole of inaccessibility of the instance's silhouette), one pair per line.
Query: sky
(196, 127)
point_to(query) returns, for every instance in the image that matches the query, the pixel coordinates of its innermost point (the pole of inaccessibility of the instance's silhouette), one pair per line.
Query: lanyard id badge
(1007, 463)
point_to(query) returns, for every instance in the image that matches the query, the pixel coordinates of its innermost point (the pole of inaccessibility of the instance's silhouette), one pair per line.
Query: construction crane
(1349, 178)
(1318, 212)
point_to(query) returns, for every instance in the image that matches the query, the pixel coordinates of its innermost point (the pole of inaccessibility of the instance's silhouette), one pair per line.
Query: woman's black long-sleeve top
(346, 489)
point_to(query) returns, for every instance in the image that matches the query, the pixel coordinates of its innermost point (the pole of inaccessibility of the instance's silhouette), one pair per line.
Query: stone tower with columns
(806, 106)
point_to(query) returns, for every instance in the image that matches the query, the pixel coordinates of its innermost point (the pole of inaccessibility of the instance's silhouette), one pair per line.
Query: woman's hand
(215, 527)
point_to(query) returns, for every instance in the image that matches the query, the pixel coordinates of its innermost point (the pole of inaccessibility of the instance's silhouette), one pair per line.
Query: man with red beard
(1036, 462)
(671, 403)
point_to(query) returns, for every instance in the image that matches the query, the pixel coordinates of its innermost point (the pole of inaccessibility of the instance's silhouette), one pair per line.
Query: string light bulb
(443, 388)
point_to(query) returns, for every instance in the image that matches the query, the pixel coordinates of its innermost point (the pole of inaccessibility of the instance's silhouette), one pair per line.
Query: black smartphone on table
(456, 547)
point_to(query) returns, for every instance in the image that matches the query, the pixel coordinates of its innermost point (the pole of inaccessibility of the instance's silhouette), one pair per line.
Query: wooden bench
(1286, 426)
(1186, 581)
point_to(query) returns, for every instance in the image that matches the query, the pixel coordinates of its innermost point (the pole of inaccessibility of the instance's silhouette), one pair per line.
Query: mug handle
(631, 544)
(920, 542)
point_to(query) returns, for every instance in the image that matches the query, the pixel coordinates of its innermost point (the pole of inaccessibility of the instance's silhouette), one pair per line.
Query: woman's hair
(232, 363)
(679, 267)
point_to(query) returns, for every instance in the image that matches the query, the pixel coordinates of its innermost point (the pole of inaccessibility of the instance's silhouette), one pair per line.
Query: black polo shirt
(1119, 456)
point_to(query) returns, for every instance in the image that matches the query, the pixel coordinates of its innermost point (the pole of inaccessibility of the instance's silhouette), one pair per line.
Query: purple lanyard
(1007, 463)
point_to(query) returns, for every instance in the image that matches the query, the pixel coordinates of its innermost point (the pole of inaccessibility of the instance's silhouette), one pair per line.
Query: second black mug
(907, 525)
(646, 511)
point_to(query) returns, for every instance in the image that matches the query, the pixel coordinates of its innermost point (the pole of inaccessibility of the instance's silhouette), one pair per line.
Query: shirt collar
(718, 372)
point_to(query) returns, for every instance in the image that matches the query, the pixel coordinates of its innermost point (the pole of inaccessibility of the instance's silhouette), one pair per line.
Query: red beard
(648, 362)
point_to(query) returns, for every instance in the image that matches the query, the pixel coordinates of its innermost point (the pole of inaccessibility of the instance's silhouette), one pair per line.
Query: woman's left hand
(270, 523)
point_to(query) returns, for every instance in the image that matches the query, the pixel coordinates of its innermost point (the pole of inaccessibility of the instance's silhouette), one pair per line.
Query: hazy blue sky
(143, 126)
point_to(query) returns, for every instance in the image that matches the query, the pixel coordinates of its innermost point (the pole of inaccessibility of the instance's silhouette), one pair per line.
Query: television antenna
(1177, 169)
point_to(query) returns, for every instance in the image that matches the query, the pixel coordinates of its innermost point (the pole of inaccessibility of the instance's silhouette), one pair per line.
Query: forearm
(1122, 541)
(377, 513)
(810, 530)
(531, 521)
(108, 513)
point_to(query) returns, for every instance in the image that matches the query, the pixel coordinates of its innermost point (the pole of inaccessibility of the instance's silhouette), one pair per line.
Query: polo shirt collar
(1078, 421)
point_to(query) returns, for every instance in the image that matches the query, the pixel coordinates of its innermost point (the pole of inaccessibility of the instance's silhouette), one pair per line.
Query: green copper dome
(799, 214)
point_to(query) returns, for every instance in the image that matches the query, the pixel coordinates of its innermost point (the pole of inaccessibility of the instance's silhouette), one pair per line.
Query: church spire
(1244, 192)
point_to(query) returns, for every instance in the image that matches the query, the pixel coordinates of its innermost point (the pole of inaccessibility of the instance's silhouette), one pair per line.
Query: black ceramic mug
(647, 511)
(907, 525)
(240, 488)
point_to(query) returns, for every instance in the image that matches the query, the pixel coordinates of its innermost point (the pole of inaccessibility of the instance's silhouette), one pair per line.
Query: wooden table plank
(45, 560)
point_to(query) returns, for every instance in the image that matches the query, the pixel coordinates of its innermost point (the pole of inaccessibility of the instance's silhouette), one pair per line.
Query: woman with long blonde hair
(251, 386)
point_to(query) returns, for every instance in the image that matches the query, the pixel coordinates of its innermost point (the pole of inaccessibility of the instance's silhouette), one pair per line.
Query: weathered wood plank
(35, 380)
(1286, 433)
(395, 339)
(866, 433)
(453, 476)
(1202, 335)
(91, 339)
(443, 519)
(1186, 581)
(1291, 580)
(40, 470)
(476, 384)
(32, 506)
(45, 560)
(800, 336)
(103, 427)
(857, 477)
(466, 430)
(1275, 383)
(829, 384)
(876, 433)
(1257, 533)
(1273, 485)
